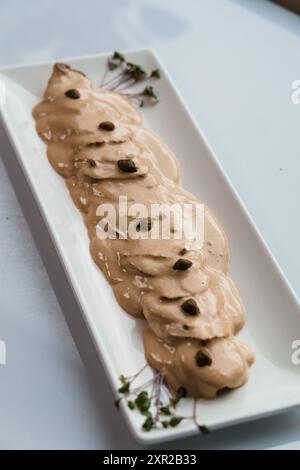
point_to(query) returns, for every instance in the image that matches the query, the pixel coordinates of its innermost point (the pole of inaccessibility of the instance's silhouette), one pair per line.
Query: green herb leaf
(149, 91)
(142, 401)
(119, 56)
(131, 405)
(204, 429)
(122, 379)
(165, 410)
(136, 71)
(148, 424)
(124, 388)
(175, 420)
(155, 74)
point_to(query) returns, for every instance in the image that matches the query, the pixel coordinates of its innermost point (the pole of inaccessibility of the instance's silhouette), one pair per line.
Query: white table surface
(237, 61)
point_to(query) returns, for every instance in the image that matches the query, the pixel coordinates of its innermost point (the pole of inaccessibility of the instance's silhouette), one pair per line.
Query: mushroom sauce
(96, 140)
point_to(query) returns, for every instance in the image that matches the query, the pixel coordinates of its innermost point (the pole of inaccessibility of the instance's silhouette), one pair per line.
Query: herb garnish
(115, 60)
(155, 401)
(130, 74)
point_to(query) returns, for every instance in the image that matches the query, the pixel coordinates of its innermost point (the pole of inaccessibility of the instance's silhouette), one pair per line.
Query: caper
(203, 359)
(107, 126)
(181, 392)
(127, 165)
(73, 94)
(182, 264)
(190, 307)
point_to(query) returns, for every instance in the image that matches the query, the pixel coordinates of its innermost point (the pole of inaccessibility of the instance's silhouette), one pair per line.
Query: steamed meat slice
(201, 368)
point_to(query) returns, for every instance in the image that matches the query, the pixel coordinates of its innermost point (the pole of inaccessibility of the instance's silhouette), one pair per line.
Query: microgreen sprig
(155, 401)
(146, 96)
(130, 74)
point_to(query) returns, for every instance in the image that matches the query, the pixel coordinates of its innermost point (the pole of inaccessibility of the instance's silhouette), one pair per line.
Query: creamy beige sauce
(193, 347)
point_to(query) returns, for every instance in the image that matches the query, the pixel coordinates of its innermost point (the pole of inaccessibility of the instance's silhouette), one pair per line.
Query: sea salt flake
(83, 200)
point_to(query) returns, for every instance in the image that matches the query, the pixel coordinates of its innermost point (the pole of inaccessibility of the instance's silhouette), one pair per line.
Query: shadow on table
(272, 13)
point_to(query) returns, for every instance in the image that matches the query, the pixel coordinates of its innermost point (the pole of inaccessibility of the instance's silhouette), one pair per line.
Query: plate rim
(138, 433)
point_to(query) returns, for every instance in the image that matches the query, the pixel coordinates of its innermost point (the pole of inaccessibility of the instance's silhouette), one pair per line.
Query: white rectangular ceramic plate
(273, 310)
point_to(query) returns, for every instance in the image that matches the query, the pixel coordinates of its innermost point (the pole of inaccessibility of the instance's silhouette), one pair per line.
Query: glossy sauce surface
(192, 307)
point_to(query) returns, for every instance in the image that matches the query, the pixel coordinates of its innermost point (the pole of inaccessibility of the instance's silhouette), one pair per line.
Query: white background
(238, 59)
